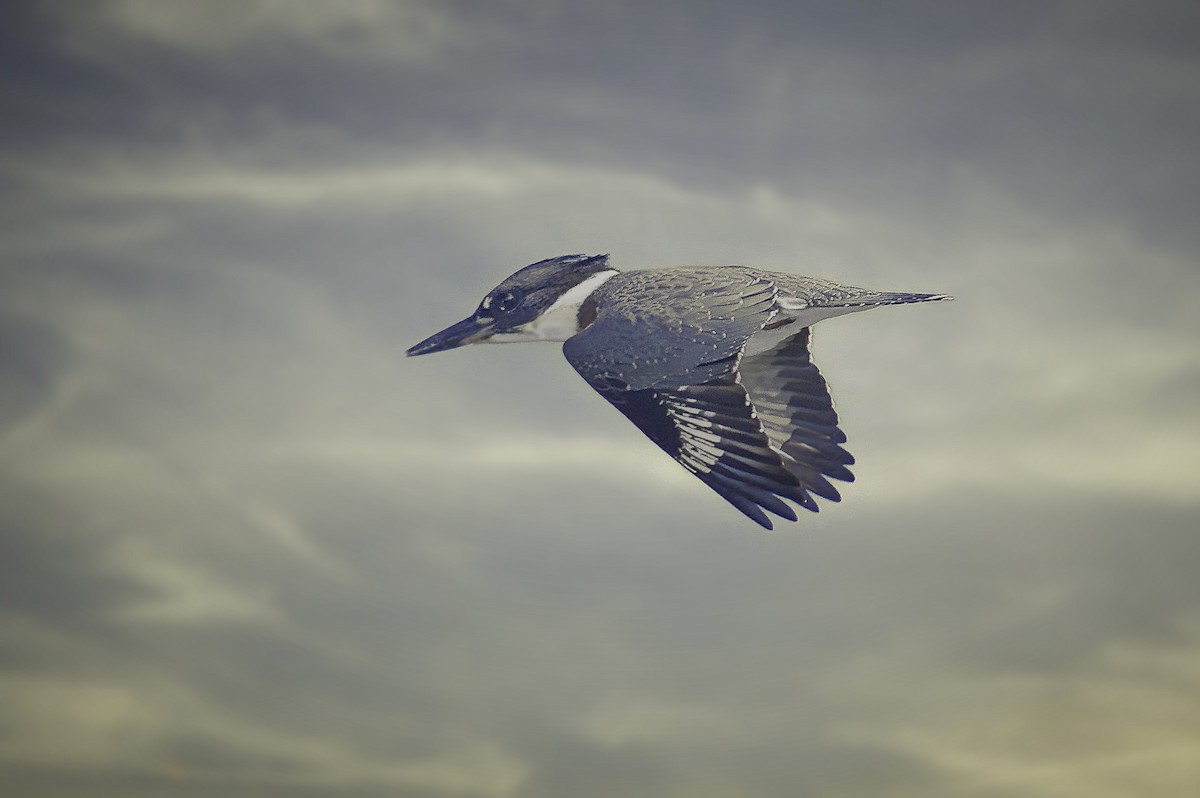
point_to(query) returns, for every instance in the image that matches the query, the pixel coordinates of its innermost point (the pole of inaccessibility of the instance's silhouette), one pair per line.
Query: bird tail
(848, 300)
(873, 298)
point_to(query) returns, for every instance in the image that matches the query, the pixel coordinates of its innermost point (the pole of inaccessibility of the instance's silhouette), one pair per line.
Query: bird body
(710, 362)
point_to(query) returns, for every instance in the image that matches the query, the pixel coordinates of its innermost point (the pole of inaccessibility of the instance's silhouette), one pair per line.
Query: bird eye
(502, 303)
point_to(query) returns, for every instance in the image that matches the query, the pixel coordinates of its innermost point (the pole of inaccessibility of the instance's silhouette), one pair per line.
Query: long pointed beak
(468, 331)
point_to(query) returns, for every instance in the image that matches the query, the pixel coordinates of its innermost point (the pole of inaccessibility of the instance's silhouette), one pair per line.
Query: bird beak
(470, 330)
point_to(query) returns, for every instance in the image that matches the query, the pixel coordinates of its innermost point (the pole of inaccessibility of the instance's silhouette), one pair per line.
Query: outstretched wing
(703, 410)
(792, 402)
(711, 430)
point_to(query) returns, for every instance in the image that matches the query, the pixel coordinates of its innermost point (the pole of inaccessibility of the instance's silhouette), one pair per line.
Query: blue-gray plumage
(711, 363)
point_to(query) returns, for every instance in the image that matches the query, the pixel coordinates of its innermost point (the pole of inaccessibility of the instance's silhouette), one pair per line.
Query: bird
(710, 362)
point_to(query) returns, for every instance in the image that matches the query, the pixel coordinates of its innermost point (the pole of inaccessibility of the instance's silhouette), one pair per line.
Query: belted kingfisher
(711, 363)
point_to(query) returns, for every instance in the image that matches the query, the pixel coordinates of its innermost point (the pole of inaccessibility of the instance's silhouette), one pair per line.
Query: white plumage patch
(560, 321)
(699, 449)
(801, 314)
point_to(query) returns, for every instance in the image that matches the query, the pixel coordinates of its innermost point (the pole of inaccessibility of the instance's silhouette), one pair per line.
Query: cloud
(163, 732)
(1123, 722)
(247, 547)
(182, 593)
(407, 32)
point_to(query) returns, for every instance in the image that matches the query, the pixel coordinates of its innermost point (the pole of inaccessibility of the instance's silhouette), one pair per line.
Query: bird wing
(793, 405)
(683, 388)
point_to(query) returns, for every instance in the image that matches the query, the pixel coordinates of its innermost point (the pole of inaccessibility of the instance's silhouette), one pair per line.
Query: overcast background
(248, 549)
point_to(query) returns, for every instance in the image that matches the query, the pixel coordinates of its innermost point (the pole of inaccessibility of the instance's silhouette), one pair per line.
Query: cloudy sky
(249, 549)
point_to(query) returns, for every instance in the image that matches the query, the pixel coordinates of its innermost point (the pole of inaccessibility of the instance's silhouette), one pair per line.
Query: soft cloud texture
(248, 549)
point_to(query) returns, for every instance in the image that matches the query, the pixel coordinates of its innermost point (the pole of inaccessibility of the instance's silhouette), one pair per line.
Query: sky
(247, 548)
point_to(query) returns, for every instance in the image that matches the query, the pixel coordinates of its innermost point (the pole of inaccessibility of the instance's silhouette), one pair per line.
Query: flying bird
(710, 362)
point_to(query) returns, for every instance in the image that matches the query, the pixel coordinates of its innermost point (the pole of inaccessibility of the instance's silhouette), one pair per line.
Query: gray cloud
(247, 549)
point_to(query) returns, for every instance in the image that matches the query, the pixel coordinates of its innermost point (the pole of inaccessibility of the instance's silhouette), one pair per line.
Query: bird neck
(571, 312)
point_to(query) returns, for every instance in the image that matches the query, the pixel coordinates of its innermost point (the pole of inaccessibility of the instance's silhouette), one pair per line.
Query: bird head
(538, 303)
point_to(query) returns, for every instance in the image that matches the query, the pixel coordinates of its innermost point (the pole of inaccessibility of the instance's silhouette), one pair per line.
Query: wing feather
(794, 406)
